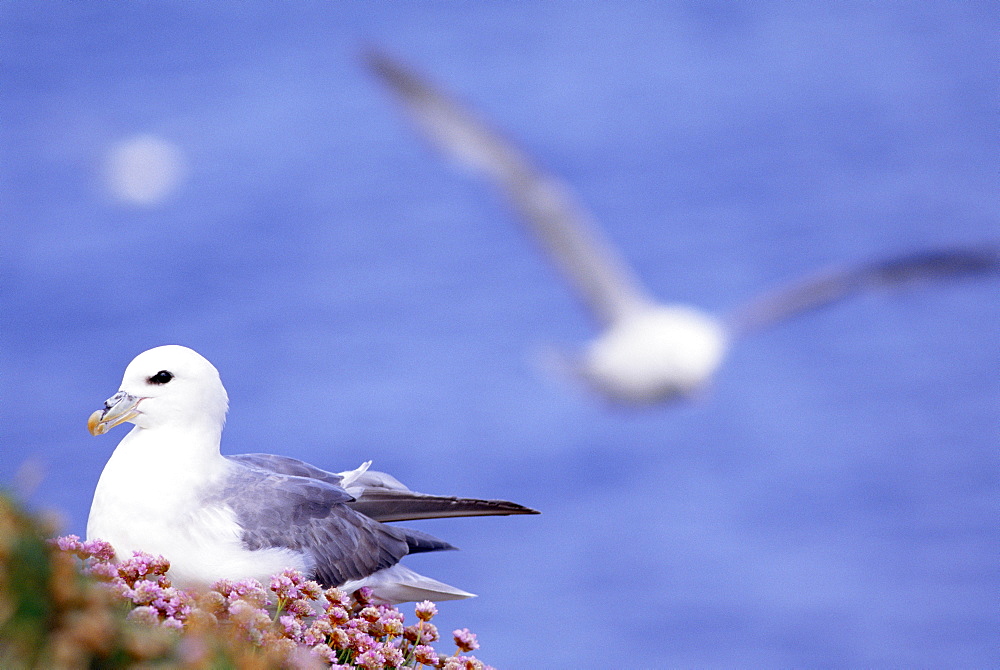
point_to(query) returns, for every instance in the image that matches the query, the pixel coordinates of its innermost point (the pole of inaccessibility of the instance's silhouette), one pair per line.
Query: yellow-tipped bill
(119, 408)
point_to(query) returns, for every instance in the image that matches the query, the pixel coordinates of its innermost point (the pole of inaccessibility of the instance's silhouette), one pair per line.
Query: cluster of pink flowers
(292, 615)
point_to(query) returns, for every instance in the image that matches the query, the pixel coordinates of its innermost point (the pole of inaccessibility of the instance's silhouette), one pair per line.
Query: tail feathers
(419, 542)
(399, 584)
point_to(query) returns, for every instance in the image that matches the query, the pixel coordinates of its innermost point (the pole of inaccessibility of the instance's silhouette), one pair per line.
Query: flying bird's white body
(660, 351)
(168, 490)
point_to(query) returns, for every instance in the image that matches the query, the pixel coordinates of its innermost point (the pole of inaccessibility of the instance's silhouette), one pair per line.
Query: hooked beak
(119, 408)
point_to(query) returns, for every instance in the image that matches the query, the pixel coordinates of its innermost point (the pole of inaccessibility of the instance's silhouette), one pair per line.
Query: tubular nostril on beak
(114, 400)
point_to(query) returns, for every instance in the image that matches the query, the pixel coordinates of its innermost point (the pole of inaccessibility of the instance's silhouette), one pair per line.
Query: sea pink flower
(171, 622)
(338, 615)
(424, 653)
(392, 627)
(426, 610)
(104, 571)
(142, 565)
(300, 607)
(370, 614)
(311, 589)
(68, 543)
(145, 614)
(392, 656)
(363, 595)
(336, 597)
(362, 641)
(325, 652)
(465, 640)
(371, 659)
(463, 663)
(145, 592)
(223, 586)
(251, 591)
(292, 626)
(429, 632)
(339, 639)
(99, 549)
(284, 587)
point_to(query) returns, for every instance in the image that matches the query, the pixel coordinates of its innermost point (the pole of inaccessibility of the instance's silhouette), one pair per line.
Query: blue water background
(830, 501)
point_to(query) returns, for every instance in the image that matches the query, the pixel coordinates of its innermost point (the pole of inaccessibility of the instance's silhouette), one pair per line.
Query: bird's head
(166, 386)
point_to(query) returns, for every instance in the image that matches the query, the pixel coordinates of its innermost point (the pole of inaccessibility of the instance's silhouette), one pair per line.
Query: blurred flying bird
(647, 351)
(251, 515)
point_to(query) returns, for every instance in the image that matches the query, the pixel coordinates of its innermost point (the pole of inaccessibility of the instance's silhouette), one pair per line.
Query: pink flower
(142, 565)
(363, 595)
(171, 622)
(392, 656)
(99, 549)
(370, 660)
(422, 632)
(284, 587)
(392, 627)
(223, 586)
(336, 597)
(426, 610)
(292, 626)
(144, 614)
(338, 615)
(425, 654)
(145, 592)
(370, 614)
(463, 663)
(311, 589)
(369, 632)
(249, 590)
(362, 642)
(326, 653)
(429, 632)
(465, 640)
(68, 543)
(300, 607)
(104, 571)
(339, 639)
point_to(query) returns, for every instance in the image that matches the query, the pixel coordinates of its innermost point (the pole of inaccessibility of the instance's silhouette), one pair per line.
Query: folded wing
(381, 496)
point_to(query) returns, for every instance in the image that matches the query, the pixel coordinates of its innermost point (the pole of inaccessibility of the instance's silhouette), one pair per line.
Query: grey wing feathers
(603, 280)
(837, 284)
(307, 515)
(382, 497)
(287, 466)
(391, 505)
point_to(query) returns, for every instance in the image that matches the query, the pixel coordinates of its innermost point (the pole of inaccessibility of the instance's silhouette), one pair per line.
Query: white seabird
(647, 351)
(168, 490)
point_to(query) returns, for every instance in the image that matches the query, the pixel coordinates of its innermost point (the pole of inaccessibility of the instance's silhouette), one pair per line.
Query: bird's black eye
(161, 377)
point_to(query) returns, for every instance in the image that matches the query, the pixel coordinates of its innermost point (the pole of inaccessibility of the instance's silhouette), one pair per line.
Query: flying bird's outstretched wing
(381, 496)
(836, 284)
(603, 280)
